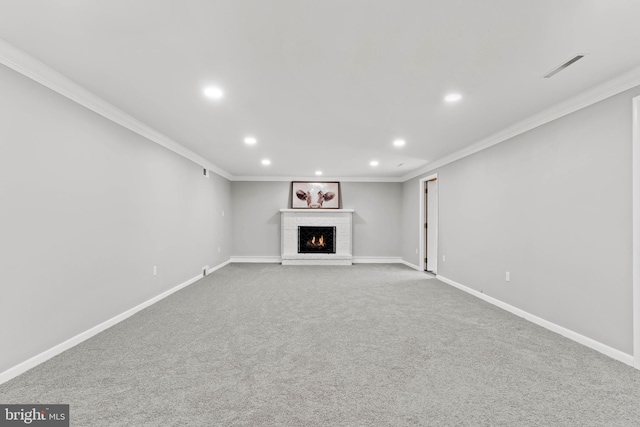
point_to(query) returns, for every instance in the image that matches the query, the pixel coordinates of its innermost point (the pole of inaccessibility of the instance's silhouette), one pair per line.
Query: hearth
(316, 240)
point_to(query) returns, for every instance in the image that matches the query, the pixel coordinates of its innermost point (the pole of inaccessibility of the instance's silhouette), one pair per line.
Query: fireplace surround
(338, 219)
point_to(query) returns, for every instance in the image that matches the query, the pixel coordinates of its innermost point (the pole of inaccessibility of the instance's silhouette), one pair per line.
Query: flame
(319, 243)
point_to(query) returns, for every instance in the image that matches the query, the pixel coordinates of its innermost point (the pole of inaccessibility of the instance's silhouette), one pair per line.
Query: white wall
(87, 209)
(553, 207)
(377, 218)
(376, 221)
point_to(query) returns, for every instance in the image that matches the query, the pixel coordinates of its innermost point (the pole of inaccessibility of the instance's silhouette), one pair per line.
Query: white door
(432, 226)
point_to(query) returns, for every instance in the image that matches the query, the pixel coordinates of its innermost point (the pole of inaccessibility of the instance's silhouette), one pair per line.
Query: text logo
(34, 415)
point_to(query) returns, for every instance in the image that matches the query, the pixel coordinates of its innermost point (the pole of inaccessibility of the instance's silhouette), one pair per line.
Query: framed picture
(315, 195)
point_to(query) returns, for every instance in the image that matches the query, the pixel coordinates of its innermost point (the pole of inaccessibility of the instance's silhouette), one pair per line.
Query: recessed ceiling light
(213, 92)
(266, 162)
(318, 173)
(453, 97)
(399, 142)
(374, 163)
(250, 140)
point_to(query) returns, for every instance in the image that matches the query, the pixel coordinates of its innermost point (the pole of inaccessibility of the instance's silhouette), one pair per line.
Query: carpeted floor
(367, 345)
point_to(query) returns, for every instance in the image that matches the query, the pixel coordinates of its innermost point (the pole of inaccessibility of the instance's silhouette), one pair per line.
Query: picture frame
(315, 195)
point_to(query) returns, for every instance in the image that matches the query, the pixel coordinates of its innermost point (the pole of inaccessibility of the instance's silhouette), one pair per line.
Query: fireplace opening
(316, 240)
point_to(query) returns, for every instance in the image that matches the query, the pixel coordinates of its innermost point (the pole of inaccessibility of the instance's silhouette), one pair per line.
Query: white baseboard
(376, 260)
(408, 264)
(218, 267)
(581, 339)
(356, 260)
(83, 336)
(256, 259)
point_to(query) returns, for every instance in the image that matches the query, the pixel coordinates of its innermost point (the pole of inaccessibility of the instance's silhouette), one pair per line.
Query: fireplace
(316, 240)
(337, 221)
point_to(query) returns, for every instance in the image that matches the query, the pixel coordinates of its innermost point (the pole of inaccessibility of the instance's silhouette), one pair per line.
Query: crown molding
(30, 67)
(38, 71)
(318, 178)
(625, 81)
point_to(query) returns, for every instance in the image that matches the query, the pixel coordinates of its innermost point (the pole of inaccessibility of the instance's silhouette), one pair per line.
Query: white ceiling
(328, 84)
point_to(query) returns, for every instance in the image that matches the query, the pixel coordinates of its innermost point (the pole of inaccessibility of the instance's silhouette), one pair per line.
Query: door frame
(422, 248)
(636, 230)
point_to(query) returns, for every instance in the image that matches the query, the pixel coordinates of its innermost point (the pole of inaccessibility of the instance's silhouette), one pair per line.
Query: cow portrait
(315, 195)
(319, 199)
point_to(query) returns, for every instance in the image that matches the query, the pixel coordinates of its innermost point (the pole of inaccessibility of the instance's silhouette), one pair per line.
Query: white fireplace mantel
(291, 219)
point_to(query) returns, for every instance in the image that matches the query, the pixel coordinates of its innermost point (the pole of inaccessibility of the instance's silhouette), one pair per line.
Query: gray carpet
(368, 345)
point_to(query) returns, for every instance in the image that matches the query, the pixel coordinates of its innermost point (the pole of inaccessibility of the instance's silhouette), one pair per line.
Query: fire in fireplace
(313, 240)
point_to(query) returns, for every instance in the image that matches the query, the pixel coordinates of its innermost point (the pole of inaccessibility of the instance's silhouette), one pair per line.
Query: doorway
(428, 249)
(636, 230)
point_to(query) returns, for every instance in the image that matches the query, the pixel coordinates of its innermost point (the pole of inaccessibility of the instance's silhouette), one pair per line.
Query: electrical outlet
(507, 277)
(222, 213)
(444, 258)
(218, 249)
(416, 250)
(205, 269)
(155, 270)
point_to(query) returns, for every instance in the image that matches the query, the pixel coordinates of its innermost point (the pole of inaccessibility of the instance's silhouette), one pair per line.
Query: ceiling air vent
(563, 66)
